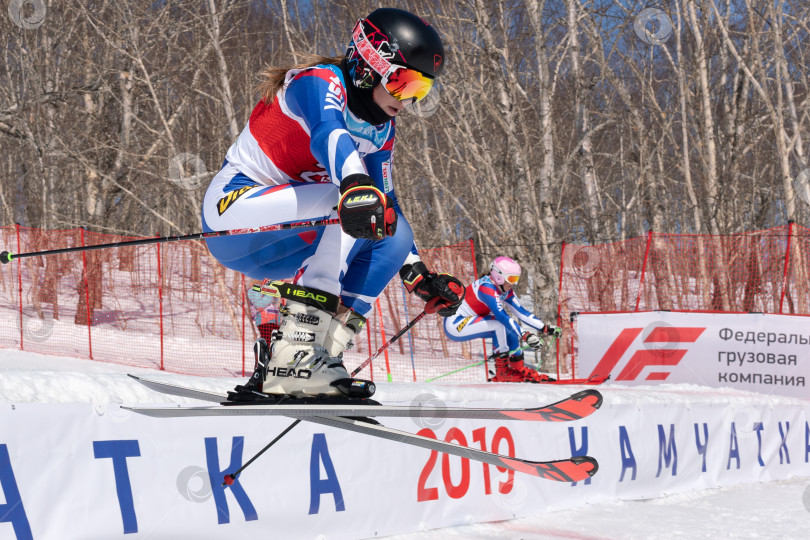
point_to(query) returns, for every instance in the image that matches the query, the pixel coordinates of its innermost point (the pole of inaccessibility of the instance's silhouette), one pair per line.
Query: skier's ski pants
(465, 328)
(323, 258)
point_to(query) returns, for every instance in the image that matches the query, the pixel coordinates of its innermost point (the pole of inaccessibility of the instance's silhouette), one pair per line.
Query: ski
(354, 418)
(179, 391)
(573, 469)
(574, 407)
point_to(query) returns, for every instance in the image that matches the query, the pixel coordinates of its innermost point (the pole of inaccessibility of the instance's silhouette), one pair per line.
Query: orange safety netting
(760, 272)
(172, 306)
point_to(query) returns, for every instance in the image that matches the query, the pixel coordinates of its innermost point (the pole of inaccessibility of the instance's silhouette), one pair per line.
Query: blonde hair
(273, 76)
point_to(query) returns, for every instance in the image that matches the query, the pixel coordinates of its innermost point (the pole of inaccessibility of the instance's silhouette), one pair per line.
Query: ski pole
(456, 371)
(229, 478)
(6, 257)
(430, 307)
(473, 365)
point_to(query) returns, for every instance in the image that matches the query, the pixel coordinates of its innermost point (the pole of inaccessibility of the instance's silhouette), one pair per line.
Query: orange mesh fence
(171, 306)
(423, 353)
(764, 271)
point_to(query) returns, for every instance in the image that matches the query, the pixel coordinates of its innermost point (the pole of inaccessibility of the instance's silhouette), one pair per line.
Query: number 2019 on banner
(458, 490)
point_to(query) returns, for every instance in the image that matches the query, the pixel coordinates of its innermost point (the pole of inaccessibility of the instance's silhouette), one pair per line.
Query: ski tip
(587, 460)
(133, 376)
(573, 469)
(589, 397)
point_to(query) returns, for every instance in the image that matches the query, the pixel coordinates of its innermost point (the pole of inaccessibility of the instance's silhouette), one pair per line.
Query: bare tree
(556, 120)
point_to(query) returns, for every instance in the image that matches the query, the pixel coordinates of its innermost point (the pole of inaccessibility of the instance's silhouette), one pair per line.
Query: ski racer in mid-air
(319, 145)
(484, 313)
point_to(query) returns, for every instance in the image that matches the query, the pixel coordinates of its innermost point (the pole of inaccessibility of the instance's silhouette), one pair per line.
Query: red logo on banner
(648, 357)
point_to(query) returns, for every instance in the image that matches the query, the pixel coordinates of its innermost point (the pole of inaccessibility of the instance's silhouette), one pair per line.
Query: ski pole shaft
(455, 371)
(7, 257)
(430, 307)
(229, 478)
(523, 348)
(473, 365)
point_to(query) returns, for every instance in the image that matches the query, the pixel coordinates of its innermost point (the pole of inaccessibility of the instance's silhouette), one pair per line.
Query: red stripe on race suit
(285, 143)
(271, 189)
(478, 307)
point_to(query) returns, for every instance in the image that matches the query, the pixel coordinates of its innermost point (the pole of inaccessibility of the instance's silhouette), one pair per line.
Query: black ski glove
(430, 285)
(550, 330)
(364, 210)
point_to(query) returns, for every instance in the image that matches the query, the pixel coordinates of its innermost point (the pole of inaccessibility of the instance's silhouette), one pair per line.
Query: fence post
(86, 296)
(472, 254)
(411, 344)
(787, 264)
(644, 268)
(243, 323)
(19, 284)
(573, 364)
(382, 337)
(559, 319)
(160, 301)
(370, 348)
(483, 341)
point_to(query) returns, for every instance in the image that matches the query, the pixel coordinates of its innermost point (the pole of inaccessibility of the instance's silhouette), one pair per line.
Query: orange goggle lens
(513, 279)
(404, 83)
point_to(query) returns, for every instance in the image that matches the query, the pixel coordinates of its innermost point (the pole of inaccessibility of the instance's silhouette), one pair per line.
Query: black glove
(549, 330)
(364, 210)
(429, 285)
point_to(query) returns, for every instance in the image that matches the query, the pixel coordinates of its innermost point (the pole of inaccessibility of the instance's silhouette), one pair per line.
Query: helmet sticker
(392, 36)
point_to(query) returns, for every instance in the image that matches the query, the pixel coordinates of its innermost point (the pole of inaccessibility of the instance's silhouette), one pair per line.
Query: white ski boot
(306, 354)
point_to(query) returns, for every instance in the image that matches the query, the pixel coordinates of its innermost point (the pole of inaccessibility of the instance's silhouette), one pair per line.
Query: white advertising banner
(763, 353)
(78, 471)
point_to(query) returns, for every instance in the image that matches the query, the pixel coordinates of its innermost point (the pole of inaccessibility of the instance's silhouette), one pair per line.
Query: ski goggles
(512, 279)
(404, 83)
(401, 82)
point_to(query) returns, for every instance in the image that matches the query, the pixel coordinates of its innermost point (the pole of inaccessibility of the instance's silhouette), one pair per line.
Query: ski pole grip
(5, 257)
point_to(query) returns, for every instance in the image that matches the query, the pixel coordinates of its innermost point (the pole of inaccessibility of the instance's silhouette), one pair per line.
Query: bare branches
(573, 120)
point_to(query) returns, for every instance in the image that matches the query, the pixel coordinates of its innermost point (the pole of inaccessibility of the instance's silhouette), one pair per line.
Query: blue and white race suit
(485, 314)
(286, 166)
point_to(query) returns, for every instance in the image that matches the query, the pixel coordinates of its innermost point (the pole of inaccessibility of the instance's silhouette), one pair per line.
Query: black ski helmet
(400, 37)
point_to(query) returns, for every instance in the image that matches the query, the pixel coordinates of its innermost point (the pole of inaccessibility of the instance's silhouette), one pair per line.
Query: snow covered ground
(773, 510)
(778, 509)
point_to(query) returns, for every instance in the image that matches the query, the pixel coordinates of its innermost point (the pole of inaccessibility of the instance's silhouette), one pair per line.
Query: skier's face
(388, 103)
